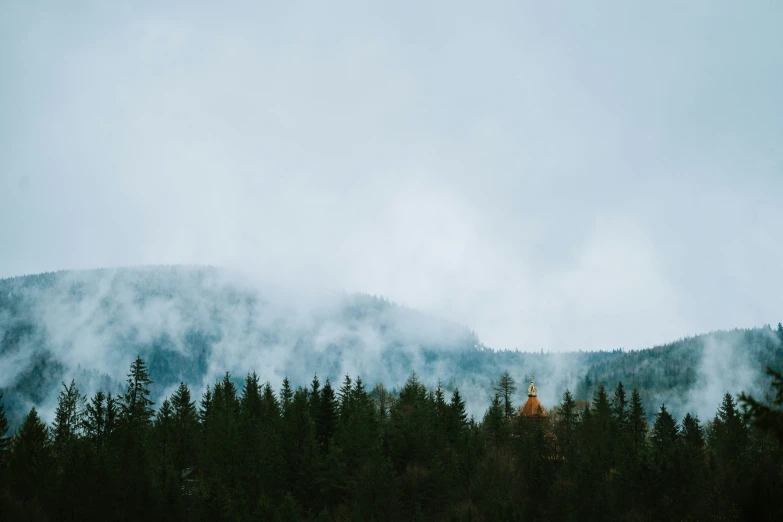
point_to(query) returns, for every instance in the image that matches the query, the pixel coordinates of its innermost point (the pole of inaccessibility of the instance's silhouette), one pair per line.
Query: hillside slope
(193, 324)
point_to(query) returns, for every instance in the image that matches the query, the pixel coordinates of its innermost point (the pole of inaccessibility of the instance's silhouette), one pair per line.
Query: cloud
(553, 178)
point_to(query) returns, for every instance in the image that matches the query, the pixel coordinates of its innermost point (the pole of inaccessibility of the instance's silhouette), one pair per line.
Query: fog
(553, 177)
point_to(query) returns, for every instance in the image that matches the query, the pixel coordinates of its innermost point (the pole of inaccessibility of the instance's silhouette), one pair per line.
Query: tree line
(335, 453)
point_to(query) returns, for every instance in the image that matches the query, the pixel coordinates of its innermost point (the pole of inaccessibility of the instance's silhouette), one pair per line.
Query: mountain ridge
(193, 323)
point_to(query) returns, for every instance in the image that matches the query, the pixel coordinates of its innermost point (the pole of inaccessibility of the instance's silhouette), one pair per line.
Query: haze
(556, 177)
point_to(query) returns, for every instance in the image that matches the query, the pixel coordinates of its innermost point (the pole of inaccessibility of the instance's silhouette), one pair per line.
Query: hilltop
(193, 323)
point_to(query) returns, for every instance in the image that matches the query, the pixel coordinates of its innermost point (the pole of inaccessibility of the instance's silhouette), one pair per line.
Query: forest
(190, 324)
(345, 452)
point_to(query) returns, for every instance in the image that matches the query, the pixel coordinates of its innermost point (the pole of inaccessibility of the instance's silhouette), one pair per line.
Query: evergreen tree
(493, 422)
(286, 394)
(620, 408)
(270, 404)
(665, 432)
(692, 432)
(315, 397)
(4, 440)
(602, 429)
(344, 394)
(300, 450)
(95, 418)
(136, 410)
(112, 415)
(68, 422)
(32, 461)
(383, 400)
(506, 388)
(68, 415)
(728, 434)
(692, 465)
(326, 417)
(185, 428)
(163, 434)
(766, 417)
(458, 417)
(566, 426)
(667, 484)
(205, 408)
(637, 424)
(135, 491)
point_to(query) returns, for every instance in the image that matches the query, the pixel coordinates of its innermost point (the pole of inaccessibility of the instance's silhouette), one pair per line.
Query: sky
(555, 175)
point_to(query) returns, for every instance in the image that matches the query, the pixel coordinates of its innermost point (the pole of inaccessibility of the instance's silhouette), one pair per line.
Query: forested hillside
(191, 324)
(328, 452)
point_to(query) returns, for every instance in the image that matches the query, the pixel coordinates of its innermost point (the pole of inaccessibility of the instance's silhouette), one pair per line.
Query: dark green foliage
(506, 388)
(768, 417)
(185, 428)
(565, 427)
(665, 432)
(494, 422)
(379, 455)
(637, 425)
(325, 417)
(32, 464)
(620, 408)
(137, 409)
(4, 438)
(68, 415)
(692, 432)
(728, 434)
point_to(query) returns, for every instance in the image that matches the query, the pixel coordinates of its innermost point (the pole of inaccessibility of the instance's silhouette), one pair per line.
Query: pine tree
(271, 406)
(95, 418)
(458, 417)
(326, 418)
(299, 449)
(493, 422)
(164, 432)
(205, 408)
(167, 474)
(286, 394)
(567, 425)
(68, 415)
(692, 432)
(441, 416)
(768, 418)
(667, 483)
(112, 415)
(135, 422)
(136, 409)
(728, 435)
(32, 461)
(185, 428)
(506, 388)
(620, 408)
(382, 399)
(315, 397)
(637, 424)
(4, 440)
(344, 394)
(665, 432)
(602, 428)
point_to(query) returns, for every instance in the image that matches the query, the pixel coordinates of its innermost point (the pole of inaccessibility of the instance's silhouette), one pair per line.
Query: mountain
(193, 324)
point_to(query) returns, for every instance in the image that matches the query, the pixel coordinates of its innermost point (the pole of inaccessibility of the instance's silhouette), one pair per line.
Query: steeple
(531, 390)
(532, 408)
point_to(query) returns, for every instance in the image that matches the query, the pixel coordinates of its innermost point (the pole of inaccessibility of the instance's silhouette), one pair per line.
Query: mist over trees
(319, 452)
(191, 324)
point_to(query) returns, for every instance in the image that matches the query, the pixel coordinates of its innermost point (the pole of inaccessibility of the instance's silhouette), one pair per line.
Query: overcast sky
(556, 175)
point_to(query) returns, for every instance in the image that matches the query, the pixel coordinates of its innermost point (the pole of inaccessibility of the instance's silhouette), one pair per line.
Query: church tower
(532, 405)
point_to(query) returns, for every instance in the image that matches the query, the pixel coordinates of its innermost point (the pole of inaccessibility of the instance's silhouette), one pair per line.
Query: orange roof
(531, 408)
